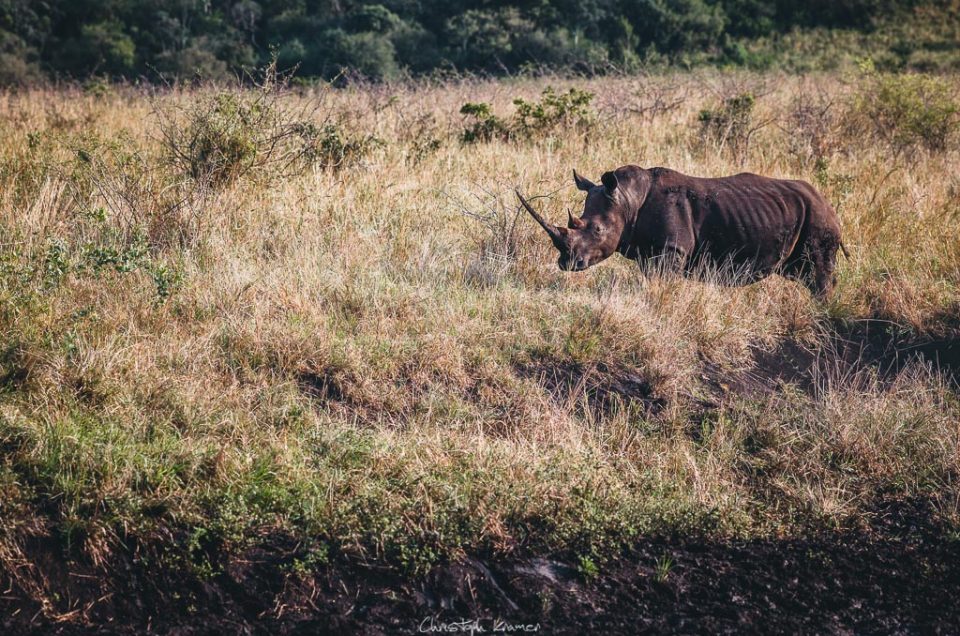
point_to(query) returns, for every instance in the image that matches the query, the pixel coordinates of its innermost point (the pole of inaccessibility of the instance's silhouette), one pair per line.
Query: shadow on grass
(598, 387)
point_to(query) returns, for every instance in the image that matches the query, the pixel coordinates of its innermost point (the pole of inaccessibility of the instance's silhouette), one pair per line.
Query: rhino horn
(557, 234)
(575, 223)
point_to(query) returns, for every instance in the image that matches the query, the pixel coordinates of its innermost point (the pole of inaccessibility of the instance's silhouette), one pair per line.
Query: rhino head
(597, 233)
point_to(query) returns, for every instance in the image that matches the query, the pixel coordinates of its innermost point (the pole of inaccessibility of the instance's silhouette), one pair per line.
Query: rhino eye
(598, 230)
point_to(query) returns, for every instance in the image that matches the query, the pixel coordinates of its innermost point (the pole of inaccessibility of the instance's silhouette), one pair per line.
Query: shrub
(678, 27)
(485, 126)
(811, 126)
(231, 134)
(838, 186)
(97, 250)
(547, 50)
(484, 37)
(17, 66)
(416, 47)
(905, 112)
(328, 146)
(121, 178)
(531, 120)
(730, 124)
(421, 135)
(553, 111)
(497, 243)
(222, 138)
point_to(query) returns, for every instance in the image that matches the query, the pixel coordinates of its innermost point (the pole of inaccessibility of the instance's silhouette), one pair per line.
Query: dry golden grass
(351, 356)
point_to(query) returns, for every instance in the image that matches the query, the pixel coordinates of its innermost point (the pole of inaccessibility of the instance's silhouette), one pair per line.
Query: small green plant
(316, 557)
(905, 111)
(588, 567)
(197, 547)
(166, 279)
(662, 568)
(55, 263)
(110, 251)
(97, 87)
(105, 252)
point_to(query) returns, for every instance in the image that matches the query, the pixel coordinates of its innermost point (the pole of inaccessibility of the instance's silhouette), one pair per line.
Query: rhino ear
(582, 182)
(609, 181)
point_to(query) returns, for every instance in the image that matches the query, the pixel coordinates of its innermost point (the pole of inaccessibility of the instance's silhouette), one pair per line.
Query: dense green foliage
(907, 112)
(385, 38)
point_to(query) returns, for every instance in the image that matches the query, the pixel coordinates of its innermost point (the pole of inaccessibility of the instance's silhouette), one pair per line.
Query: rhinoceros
(752, 224)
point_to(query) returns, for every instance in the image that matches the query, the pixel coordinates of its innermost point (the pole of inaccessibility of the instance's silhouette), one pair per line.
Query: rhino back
(746, 218)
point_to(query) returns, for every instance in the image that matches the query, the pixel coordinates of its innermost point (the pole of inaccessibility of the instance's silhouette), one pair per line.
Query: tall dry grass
(380, 357)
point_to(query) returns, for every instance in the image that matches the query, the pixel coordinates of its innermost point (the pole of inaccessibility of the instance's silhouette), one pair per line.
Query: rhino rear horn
(573, 222)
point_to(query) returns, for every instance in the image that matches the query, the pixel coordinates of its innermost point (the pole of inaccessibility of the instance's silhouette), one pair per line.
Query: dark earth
(899, 575)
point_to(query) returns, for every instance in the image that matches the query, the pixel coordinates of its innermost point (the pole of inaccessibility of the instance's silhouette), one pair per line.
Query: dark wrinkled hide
(749, 225)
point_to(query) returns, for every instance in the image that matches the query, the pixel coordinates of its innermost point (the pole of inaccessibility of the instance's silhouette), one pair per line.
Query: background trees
(384, 38)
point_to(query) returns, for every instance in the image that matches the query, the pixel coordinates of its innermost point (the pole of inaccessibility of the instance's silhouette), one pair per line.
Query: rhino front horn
(557, 234)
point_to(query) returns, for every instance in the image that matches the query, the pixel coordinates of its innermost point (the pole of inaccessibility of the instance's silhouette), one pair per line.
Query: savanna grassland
(306, 329)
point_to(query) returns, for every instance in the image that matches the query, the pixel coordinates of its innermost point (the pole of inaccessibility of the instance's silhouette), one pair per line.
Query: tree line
(383, 39)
